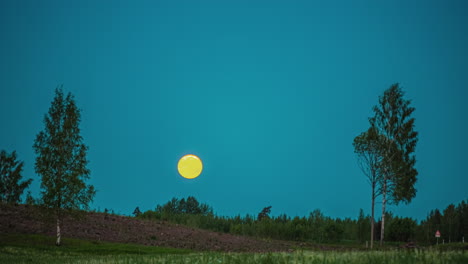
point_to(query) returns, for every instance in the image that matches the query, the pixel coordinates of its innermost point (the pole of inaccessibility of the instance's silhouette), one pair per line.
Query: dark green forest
(452, 222)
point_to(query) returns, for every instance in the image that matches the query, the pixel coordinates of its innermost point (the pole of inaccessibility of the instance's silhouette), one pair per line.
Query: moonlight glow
(190, 166)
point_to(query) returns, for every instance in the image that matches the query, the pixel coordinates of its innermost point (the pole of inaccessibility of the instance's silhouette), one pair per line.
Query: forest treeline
(385, 151)
(316, 227)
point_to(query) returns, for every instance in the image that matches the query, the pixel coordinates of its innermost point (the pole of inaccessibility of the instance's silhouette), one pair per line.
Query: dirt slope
(113, 228)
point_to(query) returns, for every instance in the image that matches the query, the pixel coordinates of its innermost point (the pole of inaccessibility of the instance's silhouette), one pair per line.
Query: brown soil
(123, 229)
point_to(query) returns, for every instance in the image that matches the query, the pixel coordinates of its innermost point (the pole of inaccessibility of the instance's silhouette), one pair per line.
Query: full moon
(190, 166)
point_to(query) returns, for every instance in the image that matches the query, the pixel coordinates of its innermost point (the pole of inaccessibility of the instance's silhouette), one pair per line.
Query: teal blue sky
(270, 94)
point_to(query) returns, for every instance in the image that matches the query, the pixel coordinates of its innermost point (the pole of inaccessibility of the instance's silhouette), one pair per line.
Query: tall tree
(392, 120)
(462, 211)
(264, 214)
(361, 226)
(11, 186)
(192, 206)
(61, 160)
(366, 146)
(449, 222)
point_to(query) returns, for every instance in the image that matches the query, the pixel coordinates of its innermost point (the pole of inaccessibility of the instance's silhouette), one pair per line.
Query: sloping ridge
(123, 229)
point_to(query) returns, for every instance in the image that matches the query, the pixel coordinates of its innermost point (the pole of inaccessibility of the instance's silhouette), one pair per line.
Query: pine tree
(61, 160)
(264, 214)
(137, 211)
(11, 187)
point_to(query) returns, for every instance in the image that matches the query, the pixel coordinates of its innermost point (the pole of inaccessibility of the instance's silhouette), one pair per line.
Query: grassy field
(40, 249)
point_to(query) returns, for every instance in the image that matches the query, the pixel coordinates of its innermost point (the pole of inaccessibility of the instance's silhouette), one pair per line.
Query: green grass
(41, 249)
(451, 246)
(11, 243)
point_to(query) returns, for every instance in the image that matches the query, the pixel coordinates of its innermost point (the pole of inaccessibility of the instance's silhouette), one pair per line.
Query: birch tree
(397, 142)
(61, 160)
(366, 146)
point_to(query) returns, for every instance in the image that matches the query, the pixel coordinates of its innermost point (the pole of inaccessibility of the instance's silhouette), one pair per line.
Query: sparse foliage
(367, 148)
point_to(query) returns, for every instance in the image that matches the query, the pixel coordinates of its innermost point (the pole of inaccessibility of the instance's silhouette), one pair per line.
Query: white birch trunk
(384, 202)
(59, 235)
(372, 222)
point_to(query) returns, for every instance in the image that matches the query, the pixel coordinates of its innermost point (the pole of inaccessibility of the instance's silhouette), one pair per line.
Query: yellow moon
(190, 166)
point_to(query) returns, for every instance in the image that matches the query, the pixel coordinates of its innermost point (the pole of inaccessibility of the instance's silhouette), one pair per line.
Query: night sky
(268, 94)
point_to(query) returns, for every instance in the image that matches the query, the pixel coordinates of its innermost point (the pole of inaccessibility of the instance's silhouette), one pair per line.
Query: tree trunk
(372, 218)
(384, 202)
(59, 235)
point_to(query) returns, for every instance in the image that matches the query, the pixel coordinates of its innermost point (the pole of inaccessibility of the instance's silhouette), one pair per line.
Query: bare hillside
(114, 228)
